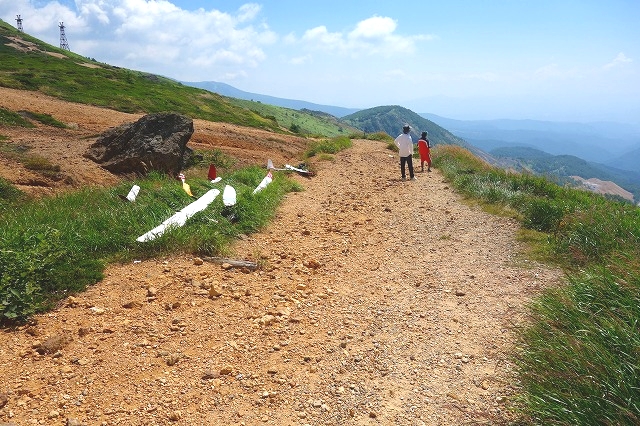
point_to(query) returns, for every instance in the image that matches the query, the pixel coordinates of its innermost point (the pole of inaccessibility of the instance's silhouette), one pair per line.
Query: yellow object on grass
(187, 188)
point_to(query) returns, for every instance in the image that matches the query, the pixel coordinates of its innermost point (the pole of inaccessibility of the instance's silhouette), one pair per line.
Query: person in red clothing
(424, 148)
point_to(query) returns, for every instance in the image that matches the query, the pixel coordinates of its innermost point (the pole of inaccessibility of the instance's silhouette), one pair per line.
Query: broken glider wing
(180, 218)
(266, 181)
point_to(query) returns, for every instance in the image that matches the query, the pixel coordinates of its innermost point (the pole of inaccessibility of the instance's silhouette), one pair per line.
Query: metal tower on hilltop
(19, 21)
(63, 38)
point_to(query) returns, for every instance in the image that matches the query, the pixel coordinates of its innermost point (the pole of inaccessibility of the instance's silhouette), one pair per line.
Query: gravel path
(377, 302)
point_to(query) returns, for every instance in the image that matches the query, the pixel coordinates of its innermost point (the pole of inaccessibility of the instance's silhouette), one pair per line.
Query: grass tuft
(328, 146)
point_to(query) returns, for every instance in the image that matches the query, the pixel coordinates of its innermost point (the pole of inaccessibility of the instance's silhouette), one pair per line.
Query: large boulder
(155, 142)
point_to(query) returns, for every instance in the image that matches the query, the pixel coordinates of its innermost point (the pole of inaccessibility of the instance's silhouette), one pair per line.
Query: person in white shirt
(405, 150)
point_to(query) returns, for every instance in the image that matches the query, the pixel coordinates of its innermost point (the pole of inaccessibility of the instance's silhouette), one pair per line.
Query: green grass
(376, 136)
(29, 160)
(578, 360)
(580, 363)
(9, 194)
(21, 119)
(112, 87)
(11, 118)
(69, 78)
(57, 246)
(44, 119)
(304, 123)
(328, 146)
(585, 227)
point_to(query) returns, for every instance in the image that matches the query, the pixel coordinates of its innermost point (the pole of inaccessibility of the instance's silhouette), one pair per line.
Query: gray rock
(154, 142)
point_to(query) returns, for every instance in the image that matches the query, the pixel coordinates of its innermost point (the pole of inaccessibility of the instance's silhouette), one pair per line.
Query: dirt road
(377, 302)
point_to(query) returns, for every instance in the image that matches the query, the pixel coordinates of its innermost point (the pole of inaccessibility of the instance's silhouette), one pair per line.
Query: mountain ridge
(230, 91)
(612, 144)
(81, 79)
(561, 167)
(609, 143)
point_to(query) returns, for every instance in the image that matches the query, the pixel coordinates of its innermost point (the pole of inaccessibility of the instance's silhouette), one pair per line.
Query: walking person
(424, 148)
(405, 150)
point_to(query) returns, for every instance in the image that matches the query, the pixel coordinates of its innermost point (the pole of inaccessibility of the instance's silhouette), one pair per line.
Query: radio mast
(63, 38)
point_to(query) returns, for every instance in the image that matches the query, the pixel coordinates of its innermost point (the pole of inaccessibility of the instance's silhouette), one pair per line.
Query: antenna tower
(19, 21)
(63, 38)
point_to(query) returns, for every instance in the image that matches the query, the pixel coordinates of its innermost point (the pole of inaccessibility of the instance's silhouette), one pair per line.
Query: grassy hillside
(390, 119)
(558, 167)
(27, 63)
(304, 122)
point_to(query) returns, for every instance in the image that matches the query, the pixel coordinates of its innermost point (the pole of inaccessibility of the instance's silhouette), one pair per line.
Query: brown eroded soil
(378, 302)
(65, 147)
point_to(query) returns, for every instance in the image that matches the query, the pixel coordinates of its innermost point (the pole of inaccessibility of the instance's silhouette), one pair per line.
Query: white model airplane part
(133, 193)
(180, 218)
(266, 181)
(216, 180)
(229, 196)
(288, 167)
(271, 167)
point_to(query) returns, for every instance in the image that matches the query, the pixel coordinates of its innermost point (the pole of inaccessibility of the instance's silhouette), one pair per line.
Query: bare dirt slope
(65, 147)
(377, 302)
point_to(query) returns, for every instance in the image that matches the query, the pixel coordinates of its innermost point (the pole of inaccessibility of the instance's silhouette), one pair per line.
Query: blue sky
(559, 60)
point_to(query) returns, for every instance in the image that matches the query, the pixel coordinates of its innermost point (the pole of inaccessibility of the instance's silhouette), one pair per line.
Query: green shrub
(294, 128)
(541, 214)
(203, 158)
(26, 274)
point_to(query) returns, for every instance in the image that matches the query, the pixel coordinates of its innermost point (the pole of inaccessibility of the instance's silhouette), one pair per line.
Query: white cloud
(321, 36)
(153, 35)
(375, 27)
(248, 12)
(372, 36)
(618, 61)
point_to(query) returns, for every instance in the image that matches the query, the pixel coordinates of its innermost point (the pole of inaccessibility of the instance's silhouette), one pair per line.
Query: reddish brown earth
(377, 302)
(64, 147)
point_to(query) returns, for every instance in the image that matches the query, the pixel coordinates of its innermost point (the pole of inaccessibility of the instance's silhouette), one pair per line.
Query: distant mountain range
(606, 151)
(612, 144)
(561, 167)
(230, 91)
